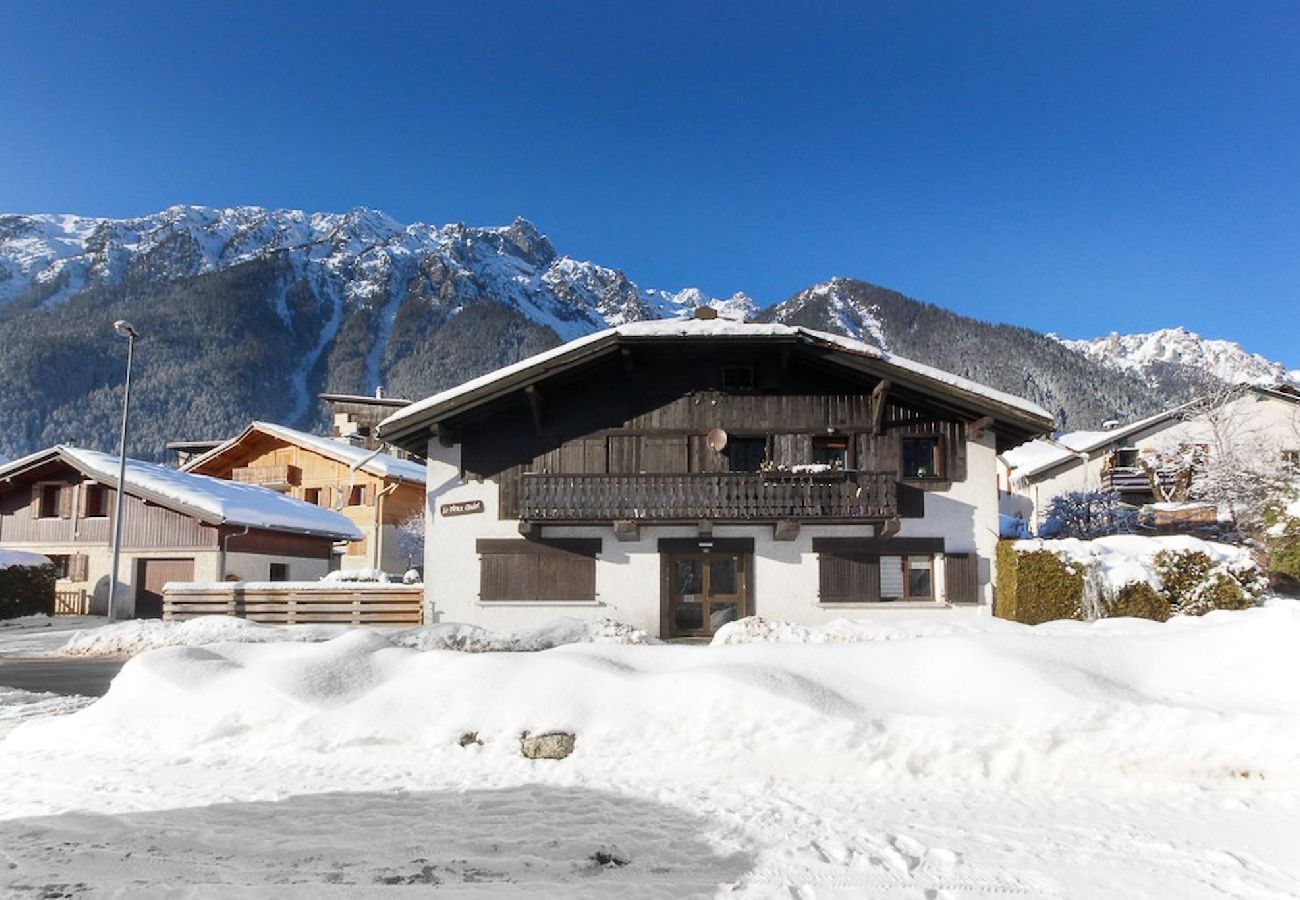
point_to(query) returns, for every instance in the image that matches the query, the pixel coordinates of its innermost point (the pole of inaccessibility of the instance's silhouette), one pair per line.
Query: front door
(706, 590)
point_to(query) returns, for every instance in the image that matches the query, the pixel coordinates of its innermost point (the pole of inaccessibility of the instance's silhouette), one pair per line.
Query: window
(907, 577)
(891, 571)
(523, 571)
(62, 564)
(357, 495)
(51, 501)
(96, 502)
(737, 377)
(921, 457)
(279, 572)
(1126, 458)
(746, 454)
(831, 451)
(312, 495)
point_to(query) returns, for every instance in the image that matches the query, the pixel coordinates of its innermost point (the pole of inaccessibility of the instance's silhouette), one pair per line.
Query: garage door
(151, 575)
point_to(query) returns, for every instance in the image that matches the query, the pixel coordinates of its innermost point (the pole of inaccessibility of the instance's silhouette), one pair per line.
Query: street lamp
(126, 330)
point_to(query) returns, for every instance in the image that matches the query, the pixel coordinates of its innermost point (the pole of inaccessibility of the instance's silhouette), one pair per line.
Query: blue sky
(1069, 167)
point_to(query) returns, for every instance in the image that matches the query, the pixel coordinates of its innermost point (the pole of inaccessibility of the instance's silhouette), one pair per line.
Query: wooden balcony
(716, 497)
(1126, 480)
(277, 478)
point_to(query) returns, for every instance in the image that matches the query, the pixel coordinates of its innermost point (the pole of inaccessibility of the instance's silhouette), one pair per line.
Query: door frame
(671, 549)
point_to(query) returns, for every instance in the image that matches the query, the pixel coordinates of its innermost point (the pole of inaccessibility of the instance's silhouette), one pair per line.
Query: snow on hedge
(564, 630)
(1211, 700)
(10, 558)
(1127, 558)
(756, 629)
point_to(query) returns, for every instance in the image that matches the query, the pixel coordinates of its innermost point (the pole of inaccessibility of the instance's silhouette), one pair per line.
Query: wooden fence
(298, 604)
(71, 603)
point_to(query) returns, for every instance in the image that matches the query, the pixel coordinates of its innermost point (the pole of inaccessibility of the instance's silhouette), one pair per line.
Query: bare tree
(410, 538)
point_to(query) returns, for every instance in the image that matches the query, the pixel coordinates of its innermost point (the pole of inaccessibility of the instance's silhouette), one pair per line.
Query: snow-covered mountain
(246, 313)
(1153, 353)
(291, 302)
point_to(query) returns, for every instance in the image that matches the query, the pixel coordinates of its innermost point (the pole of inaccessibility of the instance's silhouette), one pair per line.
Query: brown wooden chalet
(708, 432)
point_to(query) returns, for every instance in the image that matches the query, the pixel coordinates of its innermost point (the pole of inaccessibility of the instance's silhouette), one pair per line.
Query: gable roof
(211, 500)
(382, 465)
(409, 424)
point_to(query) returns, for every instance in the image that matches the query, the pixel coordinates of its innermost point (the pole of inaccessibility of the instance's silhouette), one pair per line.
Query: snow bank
(377, 576)
(1212, 700)
(9, 558)
(139, 635)
(756, 629)
(1127, 558)
(473, 639)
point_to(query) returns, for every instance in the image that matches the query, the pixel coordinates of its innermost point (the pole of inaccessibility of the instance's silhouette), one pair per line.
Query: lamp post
(125, 329)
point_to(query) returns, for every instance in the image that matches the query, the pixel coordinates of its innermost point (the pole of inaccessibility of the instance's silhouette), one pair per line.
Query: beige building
(1134, 460)
(176, 526)
(376, 491)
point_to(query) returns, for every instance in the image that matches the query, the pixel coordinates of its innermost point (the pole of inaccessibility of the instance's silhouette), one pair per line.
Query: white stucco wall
(785, 575)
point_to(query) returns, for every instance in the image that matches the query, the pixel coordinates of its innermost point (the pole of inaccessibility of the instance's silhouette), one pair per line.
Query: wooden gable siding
(621, 419)
(319, 473)
(144, 525)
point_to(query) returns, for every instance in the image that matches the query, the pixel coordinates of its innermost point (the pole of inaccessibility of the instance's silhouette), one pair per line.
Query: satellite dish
(716, 439)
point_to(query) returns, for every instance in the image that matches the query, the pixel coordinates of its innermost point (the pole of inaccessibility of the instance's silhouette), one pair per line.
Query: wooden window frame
(734, 439)
(59, 488)
(307, 495)
(940, 460)
(92, 489)
(822, 443)
(284, 571)
(909, 597)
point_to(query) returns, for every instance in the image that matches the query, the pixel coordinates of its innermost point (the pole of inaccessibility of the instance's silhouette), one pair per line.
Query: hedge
(26, 591)
(1138, 600)
(1283, 549)
(1037, 586)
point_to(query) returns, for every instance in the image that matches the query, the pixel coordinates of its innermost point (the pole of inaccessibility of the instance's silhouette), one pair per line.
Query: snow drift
(1208, 700)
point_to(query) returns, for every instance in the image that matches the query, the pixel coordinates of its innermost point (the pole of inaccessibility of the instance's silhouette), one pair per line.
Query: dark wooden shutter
(65, 501)
(84, 491)
(624, 454)
(961, 577)
(663, 454)
(36, 501)
(848, 577)
(520, 571)
(956, 444)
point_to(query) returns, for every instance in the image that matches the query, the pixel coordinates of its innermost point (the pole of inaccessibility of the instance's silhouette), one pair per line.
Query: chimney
(705, 313)
(379, 392)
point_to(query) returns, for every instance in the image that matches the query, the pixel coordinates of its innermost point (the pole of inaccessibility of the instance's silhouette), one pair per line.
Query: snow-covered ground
(1120, 758)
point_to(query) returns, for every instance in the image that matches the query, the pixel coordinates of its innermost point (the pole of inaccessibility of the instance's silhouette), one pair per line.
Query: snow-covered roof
(383, 465)
(710, 329)
(211, 500)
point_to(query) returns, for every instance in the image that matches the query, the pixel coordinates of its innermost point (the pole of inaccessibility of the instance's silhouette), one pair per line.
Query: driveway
(84, 677)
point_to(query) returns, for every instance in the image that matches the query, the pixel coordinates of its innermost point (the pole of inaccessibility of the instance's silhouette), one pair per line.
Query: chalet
(679, 474)
(1154, 459)
(376, 491)
(176, 526)
(355, 417)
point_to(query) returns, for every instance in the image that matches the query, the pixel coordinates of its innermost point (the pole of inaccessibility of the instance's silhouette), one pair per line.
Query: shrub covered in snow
(340, 576)
(1039, 580)
(1037, 586)
(1138, 600)
(1194, 584)
(1087, 515)
(26, 584)
(473, 639)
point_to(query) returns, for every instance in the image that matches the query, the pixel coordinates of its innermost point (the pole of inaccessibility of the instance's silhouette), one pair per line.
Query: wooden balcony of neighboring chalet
(843, 496)
(1126, 479)
(277, 478)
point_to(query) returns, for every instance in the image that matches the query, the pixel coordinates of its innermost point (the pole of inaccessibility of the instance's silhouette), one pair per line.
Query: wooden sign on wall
(464, 508)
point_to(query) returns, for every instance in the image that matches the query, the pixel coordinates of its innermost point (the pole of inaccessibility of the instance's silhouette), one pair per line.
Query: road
(86, 677)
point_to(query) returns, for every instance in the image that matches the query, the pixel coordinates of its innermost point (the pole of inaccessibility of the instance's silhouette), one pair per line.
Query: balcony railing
(726, 497)
(275, 477)
(1125, 479)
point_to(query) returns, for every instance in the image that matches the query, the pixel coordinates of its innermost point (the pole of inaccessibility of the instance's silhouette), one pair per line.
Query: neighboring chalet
(677, 475)
(355, 417)
(176, 526)
(375, 491)
(1152, 460)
